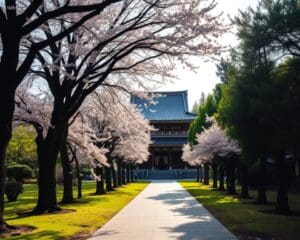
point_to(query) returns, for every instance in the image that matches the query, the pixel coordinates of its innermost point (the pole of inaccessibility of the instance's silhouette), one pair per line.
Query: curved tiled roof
(171, 106)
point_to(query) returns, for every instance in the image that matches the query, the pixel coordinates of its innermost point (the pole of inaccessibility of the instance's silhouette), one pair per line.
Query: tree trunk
(201, 174)
(214, 167)
(47, 201)
(8, 66)
(100, 184)
(128, 173)
(109, 186)
(244, 181)
(221, 177)
(67, 173)
(79, 178)
(114, 176)
(119, 173)
(123, 174)
(227, 174)
(262, 194)
(131, 173)
(48, 150)
(5, 135)
(206, 174)
(198, 174)
(284, 177)
(231, 175)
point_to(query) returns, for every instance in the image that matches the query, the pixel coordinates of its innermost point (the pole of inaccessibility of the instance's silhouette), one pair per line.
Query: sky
(204, 79)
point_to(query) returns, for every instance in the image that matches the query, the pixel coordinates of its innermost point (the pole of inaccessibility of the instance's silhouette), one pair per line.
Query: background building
(171, 118)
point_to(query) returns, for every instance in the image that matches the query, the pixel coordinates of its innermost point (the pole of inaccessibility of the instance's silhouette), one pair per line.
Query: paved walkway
(163, 210)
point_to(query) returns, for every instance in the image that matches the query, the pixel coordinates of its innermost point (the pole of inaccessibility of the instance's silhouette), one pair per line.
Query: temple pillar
(170, 161)
(152, 159)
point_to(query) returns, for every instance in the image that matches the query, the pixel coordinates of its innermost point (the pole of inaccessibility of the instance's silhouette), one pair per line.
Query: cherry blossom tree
(123, 130)
(18, 19)
(35, 109)
(189, 156)
(123, 48)
(213, 145)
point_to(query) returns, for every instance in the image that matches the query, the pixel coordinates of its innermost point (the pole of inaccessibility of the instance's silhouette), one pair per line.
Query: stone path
(163, 210)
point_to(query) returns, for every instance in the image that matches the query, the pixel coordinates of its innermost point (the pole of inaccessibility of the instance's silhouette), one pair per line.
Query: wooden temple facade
(171, 119)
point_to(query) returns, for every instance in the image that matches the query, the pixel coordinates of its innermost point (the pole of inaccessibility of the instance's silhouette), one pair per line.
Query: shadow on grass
(274, 212)
(51, 235)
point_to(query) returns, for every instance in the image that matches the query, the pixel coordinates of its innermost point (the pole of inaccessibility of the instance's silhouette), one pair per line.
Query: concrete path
(163, 210)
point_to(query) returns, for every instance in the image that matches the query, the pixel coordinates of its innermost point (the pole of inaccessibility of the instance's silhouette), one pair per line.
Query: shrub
(12, 190)
(19, 172)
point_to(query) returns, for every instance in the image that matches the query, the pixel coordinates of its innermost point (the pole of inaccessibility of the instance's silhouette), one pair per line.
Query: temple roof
(171, 106)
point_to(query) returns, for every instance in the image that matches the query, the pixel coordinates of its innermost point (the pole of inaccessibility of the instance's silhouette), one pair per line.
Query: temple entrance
(162, 161)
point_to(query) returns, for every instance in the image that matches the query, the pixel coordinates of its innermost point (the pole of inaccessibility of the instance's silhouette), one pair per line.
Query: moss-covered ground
(246, 219)
(90, 212)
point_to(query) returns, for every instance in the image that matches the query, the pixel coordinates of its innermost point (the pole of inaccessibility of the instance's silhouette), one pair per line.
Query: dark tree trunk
(201, 174)
(198, 174)
(8, 66)
(131, 173)
(67, 173)
(48, 150)
(47, 201)
(231, 175)
(119, 173)
(114, 176)
(206, 174)
(100, 184)
(221, 177)
(244, 181)
(262, 193)
(79, 178)
(123, 174)
(5, 135)
(284, 180)
(214, 167)
(109, 186)
(227, 174)
(127, 173)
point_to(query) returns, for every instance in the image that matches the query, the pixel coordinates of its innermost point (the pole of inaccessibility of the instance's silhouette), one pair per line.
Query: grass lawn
(245, 219)
(91, 212)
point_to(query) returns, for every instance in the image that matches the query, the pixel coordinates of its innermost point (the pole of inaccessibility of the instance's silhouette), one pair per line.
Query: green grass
(91, 212)
(244, 218)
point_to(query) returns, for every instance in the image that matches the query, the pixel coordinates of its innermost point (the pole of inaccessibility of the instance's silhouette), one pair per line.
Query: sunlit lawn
(245, 218)
(91, 212)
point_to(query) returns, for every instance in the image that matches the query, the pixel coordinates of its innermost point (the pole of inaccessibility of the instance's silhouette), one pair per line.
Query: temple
(171, 118)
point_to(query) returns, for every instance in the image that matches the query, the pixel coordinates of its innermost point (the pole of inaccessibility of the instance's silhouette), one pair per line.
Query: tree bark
(284, 180)
(206, 174)
(201, 174)
(221, 177)
(262, 194)
(131, 173)
(100, 184)
(198, 174)
(119, 173)
(127, 173)
(48, 150)
(114, 176)
(123, 174)
(8, 66)
(109, 186)
(244, 181)
(214, 167)
(67, 173)
(79, 178)
(231, 175)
